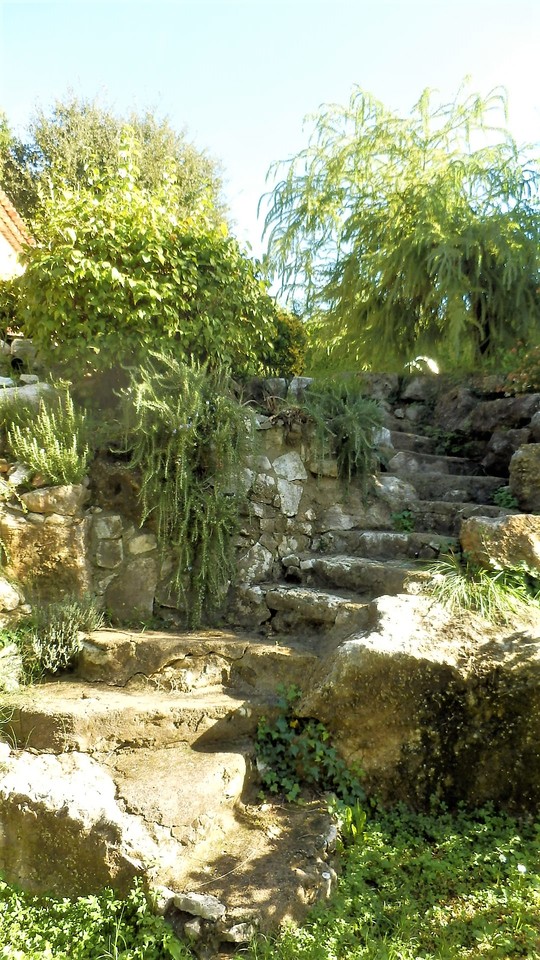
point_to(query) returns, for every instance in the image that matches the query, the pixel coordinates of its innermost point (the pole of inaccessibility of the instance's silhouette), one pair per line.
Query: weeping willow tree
(188, 437)
(399, 237)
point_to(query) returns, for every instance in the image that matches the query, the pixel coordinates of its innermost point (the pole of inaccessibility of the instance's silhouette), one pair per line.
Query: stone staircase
(143, 763)
(333, 591)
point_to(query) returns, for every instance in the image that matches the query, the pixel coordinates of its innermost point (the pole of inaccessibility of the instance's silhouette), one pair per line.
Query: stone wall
(74, 540)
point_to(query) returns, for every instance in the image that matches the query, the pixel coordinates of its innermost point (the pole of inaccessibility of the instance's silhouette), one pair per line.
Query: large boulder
(49, 553)
(511, 412)
(432, 707)
(525, 477)
(503, 542)
(501, 448)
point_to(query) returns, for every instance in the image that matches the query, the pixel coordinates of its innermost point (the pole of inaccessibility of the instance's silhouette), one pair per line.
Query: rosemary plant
(189, 438)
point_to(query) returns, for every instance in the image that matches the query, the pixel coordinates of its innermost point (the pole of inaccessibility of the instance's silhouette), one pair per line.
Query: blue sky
(241, 75)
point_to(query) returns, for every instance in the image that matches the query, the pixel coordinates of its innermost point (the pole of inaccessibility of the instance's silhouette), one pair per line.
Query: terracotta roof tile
(12, 226)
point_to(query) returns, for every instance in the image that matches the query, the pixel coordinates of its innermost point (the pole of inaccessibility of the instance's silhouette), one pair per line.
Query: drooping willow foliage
(398, 236)
(189, 437)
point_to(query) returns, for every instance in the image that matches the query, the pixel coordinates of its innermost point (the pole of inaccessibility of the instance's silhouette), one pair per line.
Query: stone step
(199, 660)
(393, 545)
(411, 462)
(72, 824)
(95, 718)
(296, 606)
(412, 442)
(453, 488)
(446, 517)
(369, 578)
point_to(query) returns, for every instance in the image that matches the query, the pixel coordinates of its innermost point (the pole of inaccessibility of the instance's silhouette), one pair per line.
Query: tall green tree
(404, 236)
(62, 141)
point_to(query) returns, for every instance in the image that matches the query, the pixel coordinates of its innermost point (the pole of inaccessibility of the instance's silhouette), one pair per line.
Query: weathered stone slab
(52, 555)
(256, 565)
(503, 542)
(513, 412)
(432, 706)
(290, 466)
(130, 596)
(525, 477)
(290, 495)
(67, 500)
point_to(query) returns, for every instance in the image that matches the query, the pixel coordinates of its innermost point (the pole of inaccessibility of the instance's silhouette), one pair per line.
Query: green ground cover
(428, 887)
(413, 887)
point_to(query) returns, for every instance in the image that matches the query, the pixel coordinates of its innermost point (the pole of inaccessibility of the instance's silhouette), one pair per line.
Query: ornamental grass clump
(496, 595)
(346, 425)
(188, 437)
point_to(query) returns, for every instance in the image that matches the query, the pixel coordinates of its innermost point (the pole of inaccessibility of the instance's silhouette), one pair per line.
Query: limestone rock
(11, 670)
(534, 427)
(143, 543)
(51, 555)
(501, 448)
(420, 389)
(428, 705)
(511, 412)
(130, 596)
(264, 488)
(10, 596)
(395, 492)
(324, 468)
(290, 495)
(109, 554)
(106, 526)
(500, 542)
(380, 386)
(200, 905)
(297, 387)
(525, 477)
(66, 500)
(290, 466)
(256, 565)
(453, 408)
(30, 394)
(62, 828)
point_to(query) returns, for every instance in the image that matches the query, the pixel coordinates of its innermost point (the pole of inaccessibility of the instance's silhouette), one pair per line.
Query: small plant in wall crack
(504, 498)
(295, 753)
(403, 521)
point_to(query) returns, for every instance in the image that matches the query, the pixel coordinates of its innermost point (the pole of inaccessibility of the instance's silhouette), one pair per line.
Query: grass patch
(427, 887)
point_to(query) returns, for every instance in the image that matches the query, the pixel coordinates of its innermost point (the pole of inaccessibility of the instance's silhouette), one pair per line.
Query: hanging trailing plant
(188, 438)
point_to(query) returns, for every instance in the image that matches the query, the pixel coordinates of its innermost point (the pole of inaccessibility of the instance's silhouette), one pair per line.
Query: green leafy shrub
(51, 442)
(403, 521)
(9, 293)
(295, 752)
(288, 351)
(121, 270)
(188, 438)
(346, 423)
(525, 375)
(460, 585)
